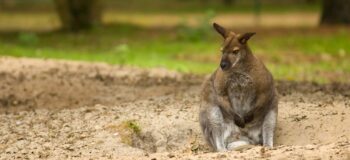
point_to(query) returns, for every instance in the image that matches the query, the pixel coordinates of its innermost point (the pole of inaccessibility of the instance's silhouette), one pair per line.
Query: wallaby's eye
(235, 51)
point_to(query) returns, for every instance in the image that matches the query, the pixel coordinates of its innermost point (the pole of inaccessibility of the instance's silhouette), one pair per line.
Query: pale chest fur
(241, 92)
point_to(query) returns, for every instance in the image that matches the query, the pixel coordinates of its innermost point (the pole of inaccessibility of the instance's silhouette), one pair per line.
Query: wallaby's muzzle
(224, 65)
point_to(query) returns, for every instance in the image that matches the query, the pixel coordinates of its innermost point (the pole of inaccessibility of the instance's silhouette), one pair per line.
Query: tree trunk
(335, 12)
(7, 4)
(78, 15)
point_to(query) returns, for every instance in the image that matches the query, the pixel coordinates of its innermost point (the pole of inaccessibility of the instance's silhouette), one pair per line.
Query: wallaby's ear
(245, 37)
(221, 30)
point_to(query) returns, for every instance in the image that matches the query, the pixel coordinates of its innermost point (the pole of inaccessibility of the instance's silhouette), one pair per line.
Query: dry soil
(74, 110)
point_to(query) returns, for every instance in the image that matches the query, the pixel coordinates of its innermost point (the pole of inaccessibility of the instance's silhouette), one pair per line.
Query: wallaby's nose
(224, 65)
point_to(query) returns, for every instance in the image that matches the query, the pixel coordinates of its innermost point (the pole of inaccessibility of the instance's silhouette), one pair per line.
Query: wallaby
(239, 101)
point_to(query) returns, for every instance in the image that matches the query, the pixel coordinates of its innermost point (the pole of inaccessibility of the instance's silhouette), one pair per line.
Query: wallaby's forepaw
(239, 121)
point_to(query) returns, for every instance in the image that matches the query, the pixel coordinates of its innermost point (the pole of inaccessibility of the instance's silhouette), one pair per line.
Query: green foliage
(316, 55)
(28, 38)
(203, 31)
(298, 56)
(127, 130)
(191, 6)
(313, 44)
(133, 125)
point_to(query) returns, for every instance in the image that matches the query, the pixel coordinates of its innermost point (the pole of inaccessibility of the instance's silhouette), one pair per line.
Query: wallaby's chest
(241, 92)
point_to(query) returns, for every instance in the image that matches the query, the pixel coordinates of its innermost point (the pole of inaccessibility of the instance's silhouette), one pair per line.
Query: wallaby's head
(234, 49)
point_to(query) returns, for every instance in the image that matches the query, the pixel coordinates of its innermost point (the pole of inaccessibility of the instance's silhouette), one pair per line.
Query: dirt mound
(60, 109)
(30, 83)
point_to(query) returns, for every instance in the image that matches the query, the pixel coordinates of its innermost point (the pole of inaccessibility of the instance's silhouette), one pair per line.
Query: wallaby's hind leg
(268, 127)
(240, 143)
(215, 130)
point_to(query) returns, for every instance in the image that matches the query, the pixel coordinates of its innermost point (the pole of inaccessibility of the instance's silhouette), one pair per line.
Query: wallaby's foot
(238, 145)
(268, 144)
(221, 150)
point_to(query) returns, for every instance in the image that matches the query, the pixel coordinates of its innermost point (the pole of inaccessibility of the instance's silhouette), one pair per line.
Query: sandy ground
(73, 110)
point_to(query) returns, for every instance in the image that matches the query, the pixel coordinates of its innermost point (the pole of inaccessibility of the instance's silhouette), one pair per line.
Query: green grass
(181, 6)
(315, 56)
(147, 54)
(312, 44)
(174, 6)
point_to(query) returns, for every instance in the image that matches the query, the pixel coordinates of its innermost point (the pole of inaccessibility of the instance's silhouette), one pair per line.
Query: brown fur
(242, 79)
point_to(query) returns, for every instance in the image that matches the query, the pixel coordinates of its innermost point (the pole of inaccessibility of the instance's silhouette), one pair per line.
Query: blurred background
(303, 40)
